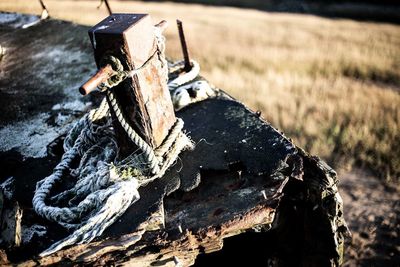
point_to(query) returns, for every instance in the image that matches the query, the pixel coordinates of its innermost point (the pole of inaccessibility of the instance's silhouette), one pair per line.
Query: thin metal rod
(108, 7)
(101, 76)
(42, 4)
(185, 51)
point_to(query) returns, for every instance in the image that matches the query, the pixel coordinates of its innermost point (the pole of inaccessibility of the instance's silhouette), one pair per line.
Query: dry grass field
(332, 85)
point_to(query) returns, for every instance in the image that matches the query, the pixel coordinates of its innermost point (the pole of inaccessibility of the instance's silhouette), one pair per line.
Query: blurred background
(326, 73)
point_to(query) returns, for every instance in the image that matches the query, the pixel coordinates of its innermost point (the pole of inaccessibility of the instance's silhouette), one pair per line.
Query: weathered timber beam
(144, 98)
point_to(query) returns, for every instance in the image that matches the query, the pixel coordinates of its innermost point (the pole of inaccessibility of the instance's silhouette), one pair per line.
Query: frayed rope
(105, 188)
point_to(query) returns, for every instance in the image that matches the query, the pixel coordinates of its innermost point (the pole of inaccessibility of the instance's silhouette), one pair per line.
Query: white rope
(135, 138)
(98, 143)
(186, 77)
(101, 194)
(185, 82)
(167, 143)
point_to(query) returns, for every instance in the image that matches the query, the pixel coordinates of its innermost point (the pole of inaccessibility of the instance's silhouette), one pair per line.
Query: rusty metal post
(185, 51)
(108, 7)
(42, 5)
(102, 75)
(144, 98)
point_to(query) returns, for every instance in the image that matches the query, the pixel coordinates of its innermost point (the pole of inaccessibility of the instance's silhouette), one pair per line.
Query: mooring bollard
(128, 42)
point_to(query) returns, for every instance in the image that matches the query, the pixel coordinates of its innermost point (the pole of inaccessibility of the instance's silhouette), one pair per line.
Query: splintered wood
(11, 216)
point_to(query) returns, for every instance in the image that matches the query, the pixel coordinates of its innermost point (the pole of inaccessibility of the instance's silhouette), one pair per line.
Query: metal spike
(188, 65)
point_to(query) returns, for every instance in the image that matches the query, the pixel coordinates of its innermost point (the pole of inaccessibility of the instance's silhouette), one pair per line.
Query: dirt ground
(372, 212)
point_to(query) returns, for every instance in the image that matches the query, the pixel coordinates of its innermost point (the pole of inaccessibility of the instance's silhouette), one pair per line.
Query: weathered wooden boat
(239, 181)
